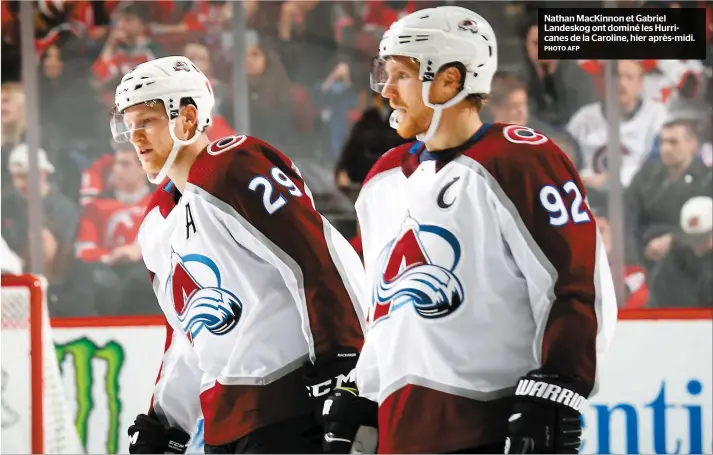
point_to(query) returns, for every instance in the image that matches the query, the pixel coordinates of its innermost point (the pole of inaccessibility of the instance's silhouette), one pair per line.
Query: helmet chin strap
(177, 144)
(437, 109)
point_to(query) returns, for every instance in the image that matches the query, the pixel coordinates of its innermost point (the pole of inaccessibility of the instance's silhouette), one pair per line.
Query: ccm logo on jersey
(551, 392)
(176, 446)
(323, 388)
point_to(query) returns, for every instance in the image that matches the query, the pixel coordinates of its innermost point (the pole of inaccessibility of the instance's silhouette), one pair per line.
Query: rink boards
(655, 395)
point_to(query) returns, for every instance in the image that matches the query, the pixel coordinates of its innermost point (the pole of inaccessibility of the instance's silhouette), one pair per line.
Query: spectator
(94, 178)
(197, 16)
(370, 137)
(684, 277)
(507, 102)
(72, 137)
(309, 49)
(659, 190)
(557, 88)
(674, 83)
(568, 145)
(13, 125)
(209, 20)
(11, 263)
(200, 54)
(637, 291)
(109, 223)
(108, 230)
(127, 45)
(641, 124)
(60, 215)
(270, 102)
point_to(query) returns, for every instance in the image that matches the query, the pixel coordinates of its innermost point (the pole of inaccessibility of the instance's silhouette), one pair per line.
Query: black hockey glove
(328, 373)
(545, 416)
(148, 435)
(350, 423)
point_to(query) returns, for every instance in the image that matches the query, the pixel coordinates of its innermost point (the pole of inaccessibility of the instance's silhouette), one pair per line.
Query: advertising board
(655, 395)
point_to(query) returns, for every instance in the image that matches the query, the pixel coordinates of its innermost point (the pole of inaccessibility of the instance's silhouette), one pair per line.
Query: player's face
(403, 90)
(149, 135)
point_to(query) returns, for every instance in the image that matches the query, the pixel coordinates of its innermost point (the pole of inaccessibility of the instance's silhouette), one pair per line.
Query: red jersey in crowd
(108, 223)
(637, 293)
(94, 177)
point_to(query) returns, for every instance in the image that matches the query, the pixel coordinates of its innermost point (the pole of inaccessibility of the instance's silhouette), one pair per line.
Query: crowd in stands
(307, 64)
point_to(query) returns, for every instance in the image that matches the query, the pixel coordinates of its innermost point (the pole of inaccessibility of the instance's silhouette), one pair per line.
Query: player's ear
(448, 82)
(190, 116)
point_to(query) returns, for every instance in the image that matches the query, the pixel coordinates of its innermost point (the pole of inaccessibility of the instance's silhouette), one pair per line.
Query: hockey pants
(299, 435)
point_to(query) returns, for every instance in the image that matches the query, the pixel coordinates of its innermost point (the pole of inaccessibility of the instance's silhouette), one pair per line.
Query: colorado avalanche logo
(201, 304)
(468, 25)
(181, 66)
(417, 269)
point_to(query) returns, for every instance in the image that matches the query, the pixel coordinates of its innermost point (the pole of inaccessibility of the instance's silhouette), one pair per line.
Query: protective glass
(122, 130)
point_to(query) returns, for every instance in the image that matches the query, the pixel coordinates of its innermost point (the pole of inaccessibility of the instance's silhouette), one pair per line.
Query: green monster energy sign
(83, 354)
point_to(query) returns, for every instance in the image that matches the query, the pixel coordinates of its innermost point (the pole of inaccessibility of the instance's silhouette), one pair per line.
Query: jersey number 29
(554, 203)
(273, 204)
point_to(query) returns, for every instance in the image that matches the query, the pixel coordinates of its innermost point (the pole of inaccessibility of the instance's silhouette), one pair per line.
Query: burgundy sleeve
(166, 346)
(297, 229)
(549, 198)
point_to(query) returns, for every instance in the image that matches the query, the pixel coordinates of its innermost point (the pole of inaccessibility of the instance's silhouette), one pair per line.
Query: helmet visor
(123, 127)
(378, 78)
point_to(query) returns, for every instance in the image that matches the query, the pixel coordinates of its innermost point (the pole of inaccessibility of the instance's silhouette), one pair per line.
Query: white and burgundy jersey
(638, 134)
(482, 263)
(254, 282)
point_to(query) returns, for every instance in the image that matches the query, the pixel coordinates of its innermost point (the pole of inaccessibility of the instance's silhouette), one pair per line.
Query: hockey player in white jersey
(258, 289)
(489, 290)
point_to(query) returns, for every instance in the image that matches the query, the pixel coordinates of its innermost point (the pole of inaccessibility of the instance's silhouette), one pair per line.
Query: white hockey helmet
(436, 37)
(169, 80)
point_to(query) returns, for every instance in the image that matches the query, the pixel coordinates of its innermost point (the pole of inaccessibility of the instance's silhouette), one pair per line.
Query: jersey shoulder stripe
(390, 160)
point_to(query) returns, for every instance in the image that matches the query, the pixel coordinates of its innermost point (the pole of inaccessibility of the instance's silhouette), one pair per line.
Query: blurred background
(302, 80)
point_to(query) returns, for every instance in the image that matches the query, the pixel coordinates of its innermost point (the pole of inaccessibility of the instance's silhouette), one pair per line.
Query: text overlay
(621, 33)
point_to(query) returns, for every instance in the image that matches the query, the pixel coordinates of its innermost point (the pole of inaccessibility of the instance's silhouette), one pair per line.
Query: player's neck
(457, 125)
(184, 161)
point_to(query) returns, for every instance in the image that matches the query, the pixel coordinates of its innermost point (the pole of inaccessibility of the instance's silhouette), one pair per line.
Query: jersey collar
(417, 153)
